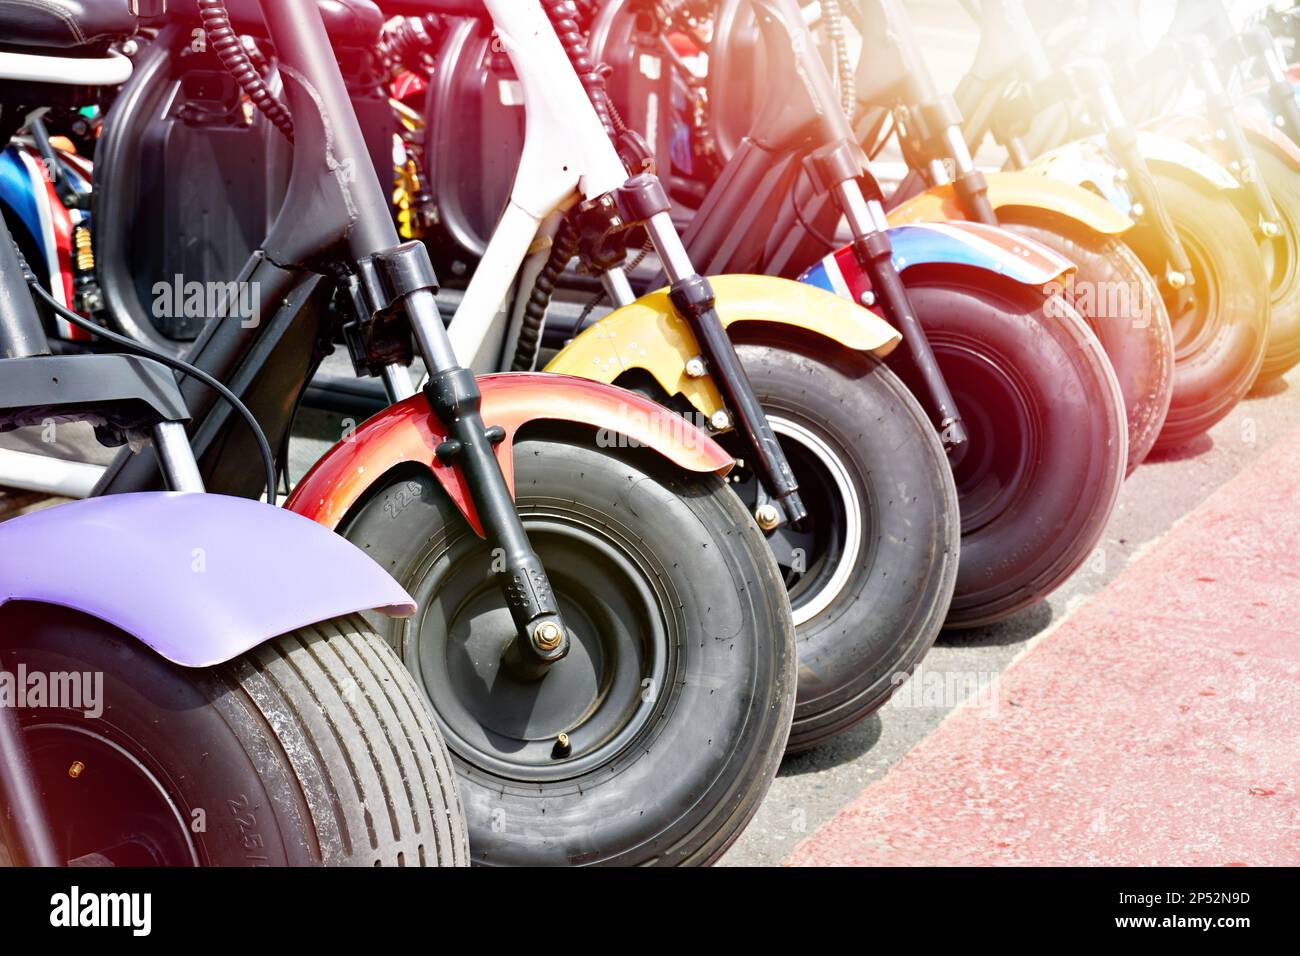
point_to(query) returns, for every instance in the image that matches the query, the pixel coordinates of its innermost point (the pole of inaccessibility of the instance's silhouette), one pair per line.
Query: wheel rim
(604, 695)
(994, 467)
(828, 549)
(1195, 329)
(141, 825)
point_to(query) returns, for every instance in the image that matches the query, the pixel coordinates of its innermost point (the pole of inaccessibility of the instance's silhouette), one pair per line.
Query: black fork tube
(1123, 142)
(1218, 106)
(404, 270)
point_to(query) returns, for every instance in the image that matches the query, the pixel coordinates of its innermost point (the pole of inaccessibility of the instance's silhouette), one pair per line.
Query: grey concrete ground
(812, 787)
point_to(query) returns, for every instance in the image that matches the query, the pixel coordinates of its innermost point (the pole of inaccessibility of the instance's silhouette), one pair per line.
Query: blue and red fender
(970, 245)
(199, 578)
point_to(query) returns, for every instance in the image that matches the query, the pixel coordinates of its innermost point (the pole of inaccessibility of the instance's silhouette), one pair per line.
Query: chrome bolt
(868, 298)
(1176, 280)
(767, 517)
(695, 367)
(1138, 210)
(720, 420)
(1271, 229)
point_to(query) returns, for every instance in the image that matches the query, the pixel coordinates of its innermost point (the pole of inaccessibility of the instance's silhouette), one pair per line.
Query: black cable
(185, 368)
(798, 213)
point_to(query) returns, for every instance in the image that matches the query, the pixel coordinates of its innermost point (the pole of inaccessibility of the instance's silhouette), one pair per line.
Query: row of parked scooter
(800, 423)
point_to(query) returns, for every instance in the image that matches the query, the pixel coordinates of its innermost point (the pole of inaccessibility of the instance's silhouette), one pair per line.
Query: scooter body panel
(649, 335)
(410, 432)
(967, 244)
(200, 579)
(1054, 194)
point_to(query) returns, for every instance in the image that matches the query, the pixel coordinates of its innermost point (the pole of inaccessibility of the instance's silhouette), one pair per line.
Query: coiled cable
(230, 50)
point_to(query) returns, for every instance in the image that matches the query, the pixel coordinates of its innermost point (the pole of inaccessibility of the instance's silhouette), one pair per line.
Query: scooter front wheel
(312, 749)
(872, 569)
(1219, 341)
(655, 738)
(1038, 477)
(1121, 303)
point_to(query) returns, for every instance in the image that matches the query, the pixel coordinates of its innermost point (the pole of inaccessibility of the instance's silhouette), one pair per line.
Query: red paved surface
(1160, 724)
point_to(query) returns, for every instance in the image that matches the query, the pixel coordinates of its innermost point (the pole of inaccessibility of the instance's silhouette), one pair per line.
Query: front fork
(643, 202)
(835, 168)
(402, 279)
(1281, 92)
(1219, 108)
(1150, 210)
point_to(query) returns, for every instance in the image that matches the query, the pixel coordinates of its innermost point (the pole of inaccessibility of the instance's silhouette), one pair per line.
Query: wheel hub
(585, 708)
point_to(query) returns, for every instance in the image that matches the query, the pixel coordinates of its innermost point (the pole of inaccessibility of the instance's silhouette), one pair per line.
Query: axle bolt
(75, 770)
(767, 517)
(548, 636)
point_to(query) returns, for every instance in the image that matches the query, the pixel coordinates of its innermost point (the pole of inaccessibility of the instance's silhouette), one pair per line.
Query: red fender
(1197, 129)
(408, 431)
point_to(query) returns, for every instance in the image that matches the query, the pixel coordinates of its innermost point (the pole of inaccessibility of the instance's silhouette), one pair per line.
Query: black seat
(64, 27)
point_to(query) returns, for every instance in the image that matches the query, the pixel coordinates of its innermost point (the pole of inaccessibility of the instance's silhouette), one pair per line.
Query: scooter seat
(63, 27)
(348, 22)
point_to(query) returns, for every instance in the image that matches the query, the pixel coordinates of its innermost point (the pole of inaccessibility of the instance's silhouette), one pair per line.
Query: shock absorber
(409, 42)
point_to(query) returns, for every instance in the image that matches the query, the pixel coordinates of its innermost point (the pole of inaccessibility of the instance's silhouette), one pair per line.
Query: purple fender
(969, 244)
(200, 579)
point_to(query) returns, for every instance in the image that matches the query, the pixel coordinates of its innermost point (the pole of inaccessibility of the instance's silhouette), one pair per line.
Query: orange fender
(1018, 188)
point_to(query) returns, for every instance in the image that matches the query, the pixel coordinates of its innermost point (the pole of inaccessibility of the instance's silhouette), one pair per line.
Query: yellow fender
(648, 334)
(1017, 188)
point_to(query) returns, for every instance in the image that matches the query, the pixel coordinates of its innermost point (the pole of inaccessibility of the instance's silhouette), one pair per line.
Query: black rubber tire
(1035, 490)
(1219, 346)
(313, 749)
(1121, 303)
(674, 786)
(1282, 266)
(853, 652)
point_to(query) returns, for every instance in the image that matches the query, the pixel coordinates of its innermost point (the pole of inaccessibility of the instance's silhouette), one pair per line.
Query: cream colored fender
(648, 334)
